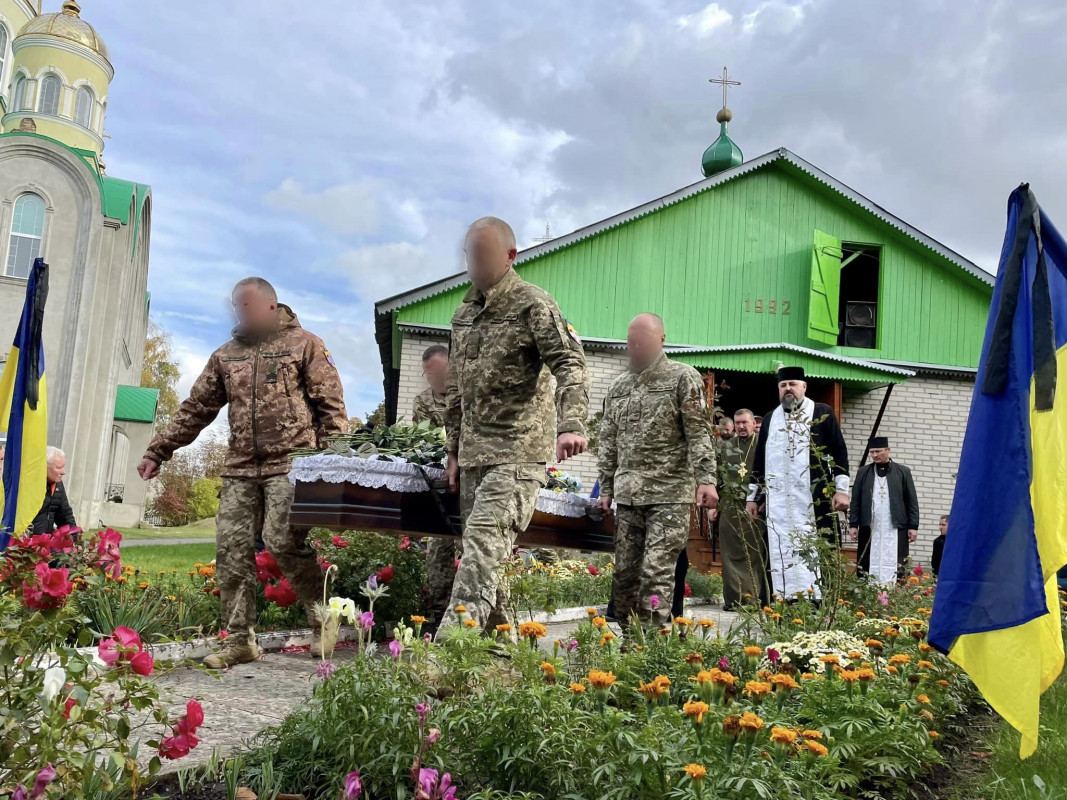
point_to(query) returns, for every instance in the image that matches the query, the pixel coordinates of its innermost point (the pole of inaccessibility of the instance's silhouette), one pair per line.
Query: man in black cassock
(884, 515)
(801, 472)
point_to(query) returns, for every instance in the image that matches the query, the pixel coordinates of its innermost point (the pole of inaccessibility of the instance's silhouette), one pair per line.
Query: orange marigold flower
(607, 637)
(830, 658)
(892, 670)
(874, 644)
(577, 688)
(696, 710)
(723, 678)
(549, 669)
(768, 610)
(417, 620)
(461, 609)
(662, 680)
(798, 621)
(705, 623)
(866, 674)
(776, 616)
(934, 734)
(763, 674)
(942, 683)
(784, 682)
(855, 655)
(757, 689)
(471, 623)
(860, 615)
(599, 679)
(731, 726)
(600, 622)
(925, 648)
(912, 580)
(694, 658)
(144, 586)
(924, 665)
(653, 690)
(922, 698)
(784, 735)
(705, 676)
(900, 658)
(808, 676)
(685, 623)
(750, 723)
(817, 748)
(505, 628)
(811, 734)
(591, 612)
(696, 772)
(753, 652)
(533, 630)
(849, 675)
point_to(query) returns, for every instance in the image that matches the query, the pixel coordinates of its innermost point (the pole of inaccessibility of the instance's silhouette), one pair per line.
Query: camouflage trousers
(249, 507)
(497, 503)
(648, 540)
(441, 555)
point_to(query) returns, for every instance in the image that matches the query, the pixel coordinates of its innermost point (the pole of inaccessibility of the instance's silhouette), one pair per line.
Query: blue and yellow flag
(996, 610)
(24, 415)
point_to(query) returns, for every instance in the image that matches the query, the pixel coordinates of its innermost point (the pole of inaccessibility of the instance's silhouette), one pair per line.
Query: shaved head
(489, 251)
(644, 341)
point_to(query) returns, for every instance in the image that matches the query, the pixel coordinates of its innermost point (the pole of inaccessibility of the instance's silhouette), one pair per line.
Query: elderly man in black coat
(56, 511)
(884, 514)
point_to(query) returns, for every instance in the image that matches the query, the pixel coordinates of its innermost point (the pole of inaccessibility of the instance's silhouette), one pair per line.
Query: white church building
(58, 202)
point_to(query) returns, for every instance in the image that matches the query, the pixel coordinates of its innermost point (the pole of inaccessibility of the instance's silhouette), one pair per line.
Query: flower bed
(684, 712)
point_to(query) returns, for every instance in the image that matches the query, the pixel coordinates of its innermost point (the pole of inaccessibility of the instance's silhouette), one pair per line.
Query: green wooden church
(764, 262)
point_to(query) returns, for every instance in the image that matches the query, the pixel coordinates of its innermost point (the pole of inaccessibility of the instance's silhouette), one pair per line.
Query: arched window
(3, 50)
(83, 107)
(50, 89)
(18, 103)
(27, 233)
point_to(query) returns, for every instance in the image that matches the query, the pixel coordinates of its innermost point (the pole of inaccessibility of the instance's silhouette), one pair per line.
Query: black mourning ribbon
(36, 337)
(999, 360)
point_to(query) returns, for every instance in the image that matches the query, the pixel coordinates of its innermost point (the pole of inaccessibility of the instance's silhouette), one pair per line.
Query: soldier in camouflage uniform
(508, 341)
(441, 554)
(656, 456)
(284, 393)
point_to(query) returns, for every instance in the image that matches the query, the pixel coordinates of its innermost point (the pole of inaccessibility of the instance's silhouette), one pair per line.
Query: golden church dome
(69, 25)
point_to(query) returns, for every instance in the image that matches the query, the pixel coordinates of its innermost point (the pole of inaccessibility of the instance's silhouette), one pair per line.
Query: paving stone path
(242, 701)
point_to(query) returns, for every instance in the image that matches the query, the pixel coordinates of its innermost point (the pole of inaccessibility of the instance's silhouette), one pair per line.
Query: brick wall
(925, 422)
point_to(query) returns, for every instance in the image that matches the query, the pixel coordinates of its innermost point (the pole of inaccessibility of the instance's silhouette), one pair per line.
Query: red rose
(224, 635)
(688, 591)
(71, 702)
(142, 663)
(267, 568)
(918, 569)
(174, 747)
(455, 566)
(194, 714)
(339, 542)
(385, 574)
(405, 543)
(281, 594)
(593, 570)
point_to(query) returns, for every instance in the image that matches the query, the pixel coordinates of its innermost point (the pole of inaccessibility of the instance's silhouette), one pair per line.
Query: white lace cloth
(400, 476)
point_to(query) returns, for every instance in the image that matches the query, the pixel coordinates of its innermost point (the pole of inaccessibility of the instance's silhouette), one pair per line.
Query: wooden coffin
(349, 507)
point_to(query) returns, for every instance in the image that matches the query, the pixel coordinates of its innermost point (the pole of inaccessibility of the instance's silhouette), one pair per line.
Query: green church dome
(723, 153)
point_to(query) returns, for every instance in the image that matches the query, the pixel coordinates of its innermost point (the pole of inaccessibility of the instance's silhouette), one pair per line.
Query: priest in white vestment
(884, 516)
(800, 473)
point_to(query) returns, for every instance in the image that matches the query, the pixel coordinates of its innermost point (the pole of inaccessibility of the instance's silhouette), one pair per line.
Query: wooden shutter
(825, 294)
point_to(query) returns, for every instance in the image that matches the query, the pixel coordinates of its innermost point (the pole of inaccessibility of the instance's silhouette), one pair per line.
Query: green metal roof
(136, 404)
(766, 358)
(115, 194)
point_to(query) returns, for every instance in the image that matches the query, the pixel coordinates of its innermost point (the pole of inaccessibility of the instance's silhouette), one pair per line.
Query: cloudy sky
(339, 149)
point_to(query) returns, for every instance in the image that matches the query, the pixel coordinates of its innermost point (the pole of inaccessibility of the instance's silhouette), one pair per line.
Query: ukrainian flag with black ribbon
(996, 611)
(24, 415)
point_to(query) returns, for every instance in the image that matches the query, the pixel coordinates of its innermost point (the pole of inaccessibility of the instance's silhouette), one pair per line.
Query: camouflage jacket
(506, 346)
(655, 438)
(283, 392)
(429, 406)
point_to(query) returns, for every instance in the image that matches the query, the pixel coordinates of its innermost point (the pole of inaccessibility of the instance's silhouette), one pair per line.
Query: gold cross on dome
(725, 82)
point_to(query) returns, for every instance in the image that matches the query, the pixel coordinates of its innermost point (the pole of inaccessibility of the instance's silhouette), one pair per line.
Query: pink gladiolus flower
(572, 645)
(773, 655)
(395, 648)
(653, 601)
(423, 710)
(433, 736)
(366, 620)
(427, 783)
(353, 786)
(724, 663)
(20, 793)
(325, 670)
(44, 777)
(883, 598)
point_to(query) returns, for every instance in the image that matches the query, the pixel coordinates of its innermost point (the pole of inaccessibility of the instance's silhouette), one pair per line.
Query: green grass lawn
(1043, 776)
(168, 557)
(197, 531)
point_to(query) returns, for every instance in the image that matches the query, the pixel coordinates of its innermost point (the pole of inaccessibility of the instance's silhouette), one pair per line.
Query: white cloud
(380, 271)
(350, 209)
(706, 21)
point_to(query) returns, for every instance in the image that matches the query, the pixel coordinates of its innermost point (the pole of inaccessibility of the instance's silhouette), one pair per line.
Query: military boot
(324, 639)
(232, 654)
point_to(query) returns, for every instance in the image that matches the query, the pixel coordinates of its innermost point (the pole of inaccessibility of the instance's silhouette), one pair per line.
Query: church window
(83, 108)
(3, 50)
(27, 234)
(18, 103)
(50, 89)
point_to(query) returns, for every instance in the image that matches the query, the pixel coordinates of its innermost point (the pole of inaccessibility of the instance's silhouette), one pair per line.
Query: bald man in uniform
(656, 457)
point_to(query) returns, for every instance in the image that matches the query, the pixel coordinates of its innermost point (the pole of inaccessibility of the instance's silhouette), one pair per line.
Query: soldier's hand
(707, 496)
(752, 509)
(147, 469)
(913, 535)
(854, 534)
(604, 503)
(452, 473)
(841, 501)
(568, 445)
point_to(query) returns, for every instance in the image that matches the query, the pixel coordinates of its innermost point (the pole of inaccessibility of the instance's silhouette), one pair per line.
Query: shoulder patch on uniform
(329, 358)
(572, 332)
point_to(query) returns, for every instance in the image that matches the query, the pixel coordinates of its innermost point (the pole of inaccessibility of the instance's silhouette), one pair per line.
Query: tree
(160, 371)
(187, 488)
(377, 416)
